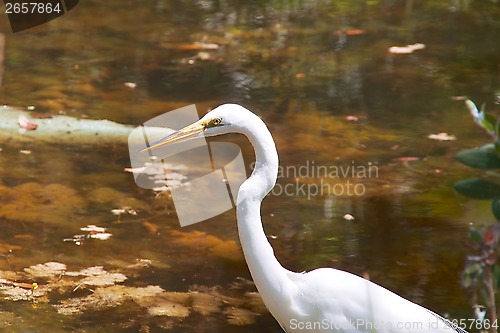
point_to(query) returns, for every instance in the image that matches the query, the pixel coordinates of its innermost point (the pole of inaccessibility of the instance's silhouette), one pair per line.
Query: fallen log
(64, 129)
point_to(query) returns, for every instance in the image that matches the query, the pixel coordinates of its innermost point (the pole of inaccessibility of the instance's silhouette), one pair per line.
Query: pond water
(321, 75)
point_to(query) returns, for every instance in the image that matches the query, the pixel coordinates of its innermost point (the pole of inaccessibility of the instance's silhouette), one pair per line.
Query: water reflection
(309, 68)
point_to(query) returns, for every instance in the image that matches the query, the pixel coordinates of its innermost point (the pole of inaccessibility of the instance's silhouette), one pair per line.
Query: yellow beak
(184, 133)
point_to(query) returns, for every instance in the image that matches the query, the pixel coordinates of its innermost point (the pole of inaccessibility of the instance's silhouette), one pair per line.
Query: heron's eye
(213, 122)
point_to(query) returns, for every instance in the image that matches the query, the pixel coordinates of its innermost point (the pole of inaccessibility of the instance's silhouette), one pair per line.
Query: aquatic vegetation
(240, 317)
(201, 242)
(34, 202)
(108, 195)
(103, 290)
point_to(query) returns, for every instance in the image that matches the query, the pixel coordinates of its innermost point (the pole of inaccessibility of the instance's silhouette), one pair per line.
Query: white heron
(324, 299)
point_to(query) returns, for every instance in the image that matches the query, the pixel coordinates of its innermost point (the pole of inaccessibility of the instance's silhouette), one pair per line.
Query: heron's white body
(322, 300)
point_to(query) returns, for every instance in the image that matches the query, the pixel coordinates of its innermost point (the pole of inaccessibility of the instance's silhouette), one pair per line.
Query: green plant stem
(492, 312)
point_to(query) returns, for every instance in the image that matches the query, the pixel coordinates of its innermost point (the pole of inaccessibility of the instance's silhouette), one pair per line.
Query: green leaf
(479, 158)
(471, 273)
(477, 188)
(497, 147)
(495, 208)
(487, 147)
(466, 280)
(475, 236)
(473, 110)
(489, 123)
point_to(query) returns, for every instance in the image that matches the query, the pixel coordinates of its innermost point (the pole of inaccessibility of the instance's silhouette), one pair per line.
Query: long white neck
(267, 273)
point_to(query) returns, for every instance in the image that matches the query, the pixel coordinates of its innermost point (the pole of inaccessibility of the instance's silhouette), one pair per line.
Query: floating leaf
(348, 217)
(479, 158)
(16, 293)
(442, 137)
(477, 188)
(105, 279)
(349, 32)
(49, 269)
(192, 46)
(102, 298)
(90, 271)
(406, 49)
(93, 228)
(25, 124)
(131, 85)
(101, 235)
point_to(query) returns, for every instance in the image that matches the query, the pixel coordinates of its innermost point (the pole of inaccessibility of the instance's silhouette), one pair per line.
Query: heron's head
(223, 119)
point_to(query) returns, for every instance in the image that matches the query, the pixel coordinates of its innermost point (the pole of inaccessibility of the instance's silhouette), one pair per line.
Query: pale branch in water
(65, 129)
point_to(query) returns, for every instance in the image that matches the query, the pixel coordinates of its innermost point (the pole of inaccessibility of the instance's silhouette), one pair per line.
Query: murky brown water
(321, 76)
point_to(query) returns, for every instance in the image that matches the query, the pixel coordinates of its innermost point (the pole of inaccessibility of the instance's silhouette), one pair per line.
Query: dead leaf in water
(25, 124)
(90, 271)
(406, 49)
(97, 276)
(349, 32)
(102, 298)
(15, 293)
(48, 270)
(196, 46)
(105, 279)
(442, 137)
(108, 297)
(166, 308)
